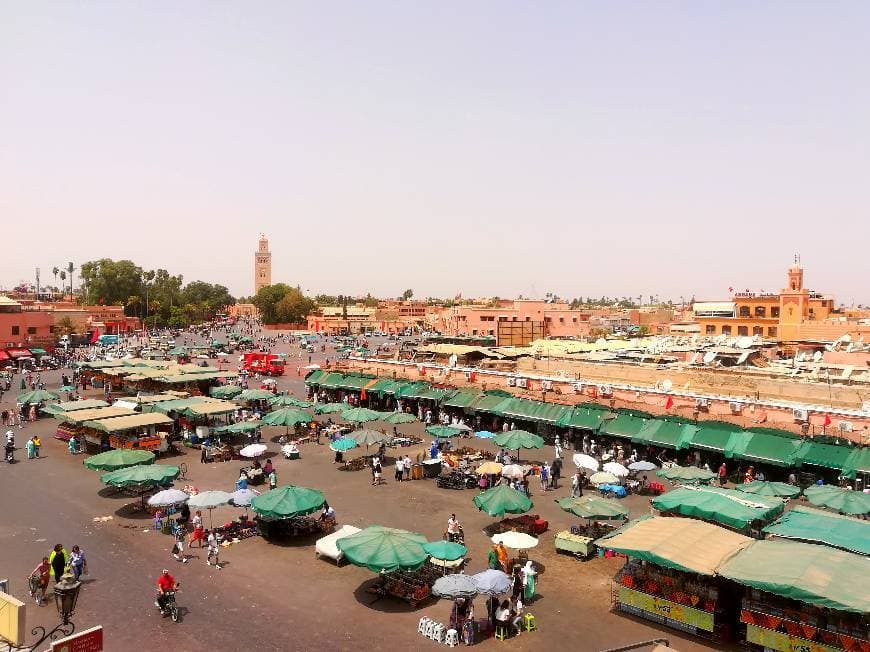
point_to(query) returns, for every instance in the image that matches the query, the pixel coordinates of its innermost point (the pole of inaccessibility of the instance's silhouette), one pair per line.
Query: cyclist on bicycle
(42, 573)
(164, 583)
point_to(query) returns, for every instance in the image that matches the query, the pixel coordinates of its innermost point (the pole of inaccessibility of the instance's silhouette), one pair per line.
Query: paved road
(278, 596)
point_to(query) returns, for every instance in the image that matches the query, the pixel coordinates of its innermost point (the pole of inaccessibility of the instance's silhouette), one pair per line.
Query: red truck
(268, 364)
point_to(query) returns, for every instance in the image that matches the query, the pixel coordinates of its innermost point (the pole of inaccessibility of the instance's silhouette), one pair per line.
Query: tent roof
(679, 543)
(819, 526)
(117, 424)
(85, 404)
(726, 506)
(80, 416)
(805, 572)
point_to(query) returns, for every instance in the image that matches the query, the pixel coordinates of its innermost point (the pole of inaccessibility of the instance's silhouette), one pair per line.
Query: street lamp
(66, 595)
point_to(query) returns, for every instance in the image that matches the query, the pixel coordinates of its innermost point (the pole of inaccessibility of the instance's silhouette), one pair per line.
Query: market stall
(140, 431)
(744, 512)
(286, 511)
(71, 424)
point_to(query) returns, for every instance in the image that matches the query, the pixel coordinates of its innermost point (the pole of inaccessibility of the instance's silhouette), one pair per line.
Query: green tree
(294, 307)
(64, 326)
(108, 281)
(407, 294)
(213, 297)
(267, 300)
(370, 301)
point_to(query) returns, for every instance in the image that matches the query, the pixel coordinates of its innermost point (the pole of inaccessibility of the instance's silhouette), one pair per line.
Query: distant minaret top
(264, 243)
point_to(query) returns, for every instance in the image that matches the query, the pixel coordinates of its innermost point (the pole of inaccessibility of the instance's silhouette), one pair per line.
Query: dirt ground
(280, 597)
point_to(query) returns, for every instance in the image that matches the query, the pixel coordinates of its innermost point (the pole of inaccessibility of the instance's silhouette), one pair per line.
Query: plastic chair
(451, 639)
(501, 631)
(430, 629)
(421, 626)
(529, 623)
(438, 633)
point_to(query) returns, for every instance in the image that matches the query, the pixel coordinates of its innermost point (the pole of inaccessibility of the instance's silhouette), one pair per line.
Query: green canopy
(330, 408)
(762, 488)
(593, 507)
(443, 432)
(286, 417)
(666, 433)
(37, 396)
(538, 411)
(857, 462)
(366, 437)
(805, 572)
(177, 350)
(314, 377)
(764, 445)
(225, 391)
(818, 526)
(119, 459)
(245, 340)
(461, 399)
(396, 418)
(255, 395)
(343, 444)
(383, 549)
(67, 389)
(626, 424)
(240, 427)
(152, 475)
(686, 474)
(587, 417)
(287, 502)
(360, 415)
(714, 435)
(726, 506)
(844, 501)
(285, 400)
(501, 500)
(827, 455)
(446, 550)
(517, 439)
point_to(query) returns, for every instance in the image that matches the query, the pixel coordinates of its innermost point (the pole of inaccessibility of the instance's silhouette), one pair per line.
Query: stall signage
(90, 640)
(666, 609)
(784, 642)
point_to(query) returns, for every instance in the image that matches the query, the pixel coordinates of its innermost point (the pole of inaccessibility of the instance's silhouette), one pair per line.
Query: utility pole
(37, 284)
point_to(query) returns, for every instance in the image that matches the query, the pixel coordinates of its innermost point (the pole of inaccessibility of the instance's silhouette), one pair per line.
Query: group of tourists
(56, 565)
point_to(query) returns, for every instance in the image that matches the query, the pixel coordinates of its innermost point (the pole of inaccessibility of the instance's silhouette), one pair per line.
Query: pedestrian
(400, 463)
(198, 532)
(42, 573)
(178, 547)
(273, 480)
(453, 528)
(59, 558)
(723, 474)
(32, 413)
(78, 562)
(407, 467)
(213, 550)
(529, 582)
(502, 553)
(555, 473)
(37, 444)
(30, 447)
(558, 447)
(545, 477)
(575, 485)
(492, 559)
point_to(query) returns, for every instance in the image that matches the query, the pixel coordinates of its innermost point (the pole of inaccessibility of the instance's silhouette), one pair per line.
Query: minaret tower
(262, 265)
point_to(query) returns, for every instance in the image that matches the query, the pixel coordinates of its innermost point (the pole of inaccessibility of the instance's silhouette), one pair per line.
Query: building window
(757, 330)
(710, 330)
(502, 318)
(743, 330)
(492, 332)
(726, 330)
(528, 319)
(474, 331)
(774, 312)
(51, 329)
(760, 311)
(31, 330)
(771, 331)
(574, 319)
(561, 320)
(15, 330)
(744, 311)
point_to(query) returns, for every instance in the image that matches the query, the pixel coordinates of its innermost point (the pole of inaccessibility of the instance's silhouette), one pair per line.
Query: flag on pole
(669, 403)
(827, 420)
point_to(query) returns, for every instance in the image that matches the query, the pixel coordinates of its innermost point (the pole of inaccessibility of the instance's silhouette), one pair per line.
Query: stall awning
(857, 462)
(354, 383)
(766, 446)
(538, 411)
(78, 417)
(819, 526)
(665, 433)
(331, 381)
(624, 425)
(395, 388)
(461, 399)
(85, 404)
(174, 405)
(4, 355)
(314, 377)
(714, 435)
(735, 509)
(119, 424)
(18, 353)
(679, 543)
(38, 351)
(433, 394)
(587, 417)
(378, 388)
(805, 572)
(209, 408)
(830, 456)
(412, 390)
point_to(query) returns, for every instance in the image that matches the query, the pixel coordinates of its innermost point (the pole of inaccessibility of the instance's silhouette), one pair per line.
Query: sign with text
(666, 609)
(783, 642)
(90, 640)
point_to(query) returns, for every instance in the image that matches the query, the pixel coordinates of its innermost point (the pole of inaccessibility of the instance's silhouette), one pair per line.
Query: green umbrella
(593, 507)
(366, 437)
(516, 439)
(67, 388)
(762, 488)
(360, 415)
(502, 500)
(151, 475)
(37, 396)
(384, 549)
(845, 501)
(285, 400)
(343, 445)
(178, 350)
(443, 432)
(396, 418)
(686, 474)
(286, 417)
(287, 502)
(246, 340)
(119, 459)
(446, 550)
(225, 391)
(254, 395)
(241, 426)
(330, 408)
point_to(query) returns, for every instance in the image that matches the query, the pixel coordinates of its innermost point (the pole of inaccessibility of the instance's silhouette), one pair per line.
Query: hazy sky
(497, 148)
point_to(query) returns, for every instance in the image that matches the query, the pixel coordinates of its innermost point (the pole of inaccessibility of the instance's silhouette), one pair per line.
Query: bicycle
(35, 589)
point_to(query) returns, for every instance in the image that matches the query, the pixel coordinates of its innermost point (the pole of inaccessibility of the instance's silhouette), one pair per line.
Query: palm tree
(55, 270)
(70, 268)
(62, 280)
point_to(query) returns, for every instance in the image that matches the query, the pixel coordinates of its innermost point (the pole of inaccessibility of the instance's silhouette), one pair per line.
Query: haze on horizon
(492, 148)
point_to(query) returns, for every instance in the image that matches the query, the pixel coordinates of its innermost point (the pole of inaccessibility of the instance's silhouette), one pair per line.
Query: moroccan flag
(669, 403)
(362, 394)
(472, 376)
(827, 420)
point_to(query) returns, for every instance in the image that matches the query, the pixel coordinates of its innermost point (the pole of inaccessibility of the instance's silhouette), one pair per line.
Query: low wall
(285, 327)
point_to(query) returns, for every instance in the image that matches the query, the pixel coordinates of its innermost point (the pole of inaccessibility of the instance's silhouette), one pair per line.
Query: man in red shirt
(165, 583)
(42, 572)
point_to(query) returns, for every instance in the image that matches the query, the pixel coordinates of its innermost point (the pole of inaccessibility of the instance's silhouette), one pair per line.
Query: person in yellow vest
(58, 560)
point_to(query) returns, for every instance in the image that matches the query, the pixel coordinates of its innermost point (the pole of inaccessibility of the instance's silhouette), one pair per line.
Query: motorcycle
(170, 607)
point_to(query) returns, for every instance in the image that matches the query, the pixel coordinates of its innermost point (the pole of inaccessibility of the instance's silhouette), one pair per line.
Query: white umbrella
(243, 497)
(493, 582)
(585, 462)
(252, 450)
(513, 471)
(603, 477)
(168, 497)
(312, 366)
(209, 500)
(616, 469)
(515, 540)
(461, 426)
(222, 354)
(643, 465)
